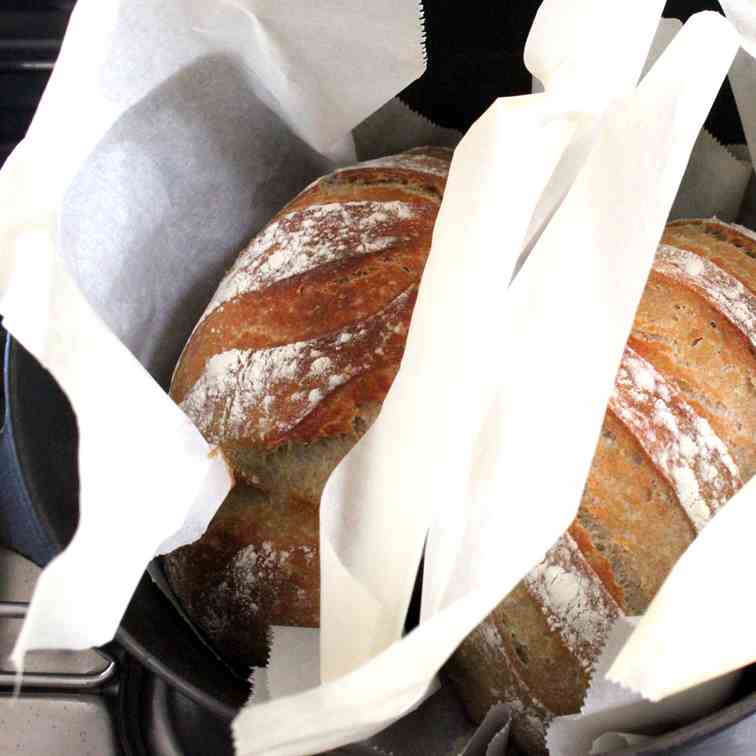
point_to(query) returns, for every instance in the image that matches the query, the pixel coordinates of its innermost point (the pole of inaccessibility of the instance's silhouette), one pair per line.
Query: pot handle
(20, 529)
(58, 682)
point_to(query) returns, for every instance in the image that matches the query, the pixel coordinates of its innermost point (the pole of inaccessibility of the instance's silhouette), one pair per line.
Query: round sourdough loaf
(290, 363)
(286, 369)
(678, 439)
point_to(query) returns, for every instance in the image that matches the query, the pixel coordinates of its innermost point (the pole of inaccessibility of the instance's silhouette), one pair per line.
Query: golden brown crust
(637, 514)
(257, 564)
(709, 359)
(304, 307)
(363, 350)
(371, 258)
(367, 184)
(526, 665)
(678, 438)
(632, 515)
(336, 414)
(598, 562)
(285, 371)
(726, 246)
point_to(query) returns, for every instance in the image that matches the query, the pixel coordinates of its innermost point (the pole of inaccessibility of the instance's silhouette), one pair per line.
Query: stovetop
(73, 721)
(90, 703)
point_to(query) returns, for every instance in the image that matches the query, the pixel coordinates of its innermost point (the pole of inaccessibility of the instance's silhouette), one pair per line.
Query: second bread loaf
(286, 369)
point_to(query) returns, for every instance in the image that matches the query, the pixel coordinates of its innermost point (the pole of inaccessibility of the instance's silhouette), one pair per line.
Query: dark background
(474, 55)
(30, 34)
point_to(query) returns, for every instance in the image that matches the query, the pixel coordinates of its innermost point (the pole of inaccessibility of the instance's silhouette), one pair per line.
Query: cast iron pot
(38, 440)
(39, 514)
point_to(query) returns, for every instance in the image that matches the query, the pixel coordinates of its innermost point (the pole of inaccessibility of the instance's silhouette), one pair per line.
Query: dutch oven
(38, 440)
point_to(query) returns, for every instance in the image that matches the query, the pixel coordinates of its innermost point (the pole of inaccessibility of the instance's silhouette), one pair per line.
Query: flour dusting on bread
(722, 290)
(576, 603)
(420, 163)
(249, 394)
(680, 442)
(309, 238)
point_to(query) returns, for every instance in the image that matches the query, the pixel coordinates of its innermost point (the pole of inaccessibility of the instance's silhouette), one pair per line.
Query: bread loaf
(678, 439)
(286, 369)
(290, 363)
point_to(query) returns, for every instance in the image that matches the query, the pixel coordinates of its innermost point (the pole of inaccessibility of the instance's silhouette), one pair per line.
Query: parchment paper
(703, 597)
(95, 574)
(494, 514)
(150, 160)
(136, 102)
(609, 707)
